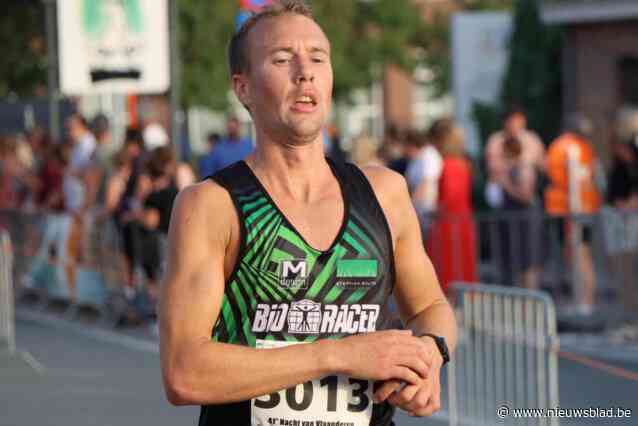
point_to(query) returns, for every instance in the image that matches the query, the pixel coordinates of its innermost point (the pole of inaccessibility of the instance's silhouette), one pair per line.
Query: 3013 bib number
(300, 401)
(329, 399)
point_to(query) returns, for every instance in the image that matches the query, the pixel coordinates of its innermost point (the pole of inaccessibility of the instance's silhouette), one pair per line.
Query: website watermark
(505, 412)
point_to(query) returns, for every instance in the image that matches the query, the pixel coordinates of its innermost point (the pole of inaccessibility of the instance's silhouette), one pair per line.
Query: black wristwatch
(440, 343)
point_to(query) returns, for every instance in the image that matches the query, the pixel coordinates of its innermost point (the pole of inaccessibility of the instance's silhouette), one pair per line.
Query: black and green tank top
(283, 291)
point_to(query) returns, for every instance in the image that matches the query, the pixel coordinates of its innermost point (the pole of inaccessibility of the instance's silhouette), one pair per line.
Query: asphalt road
(101, 378)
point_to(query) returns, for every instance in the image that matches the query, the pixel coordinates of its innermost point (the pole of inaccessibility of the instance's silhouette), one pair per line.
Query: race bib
(327, 401)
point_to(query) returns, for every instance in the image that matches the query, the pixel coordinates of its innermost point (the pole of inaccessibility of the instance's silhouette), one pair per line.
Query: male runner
(289, 261)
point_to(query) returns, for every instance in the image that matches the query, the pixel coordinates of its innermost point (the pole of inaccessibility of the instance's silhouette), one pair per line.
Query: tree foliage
(22, 37)
(365, 36)
(205, 28)
(532, 79)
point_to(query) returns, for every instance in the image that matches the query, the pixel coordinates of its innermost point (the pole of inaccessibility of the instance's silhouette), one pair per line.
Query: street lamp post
(176, 117)
(52, 77)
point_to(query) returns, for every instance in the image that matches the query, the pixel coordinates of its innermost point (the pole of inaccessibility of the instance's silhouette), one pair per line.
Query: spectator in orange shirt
(571, 169)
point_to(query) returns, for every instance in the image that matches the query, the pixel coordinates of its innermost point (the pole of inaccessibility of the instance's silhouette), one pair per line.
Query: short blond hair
(238, 58)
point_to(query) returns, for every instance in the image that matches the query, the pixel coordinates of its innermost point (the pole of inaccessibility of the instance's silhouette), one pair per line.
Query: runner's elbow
(184, 388)
(178, 392)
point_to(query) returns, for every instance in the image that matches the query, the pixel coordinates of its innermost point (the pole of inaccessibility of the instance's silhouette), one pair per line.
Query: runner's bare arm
(421, 303)
(197, 370)
(420, 300)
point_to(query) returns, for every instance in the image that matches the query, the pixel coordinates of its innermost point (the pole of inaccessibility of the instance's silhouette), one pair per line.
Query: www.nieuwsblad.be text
(505, 412)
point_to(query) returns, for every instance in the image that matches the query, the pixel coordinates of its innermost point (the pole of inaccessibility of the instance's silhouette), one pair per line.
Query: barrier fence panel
(577, 258)
(506, 359)
(7, 319)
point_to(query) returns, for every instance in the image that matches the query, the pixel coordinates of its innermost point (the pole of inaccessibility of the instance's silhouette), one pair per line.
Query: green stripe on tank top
(325, 273)
(267, 283)
(258, 201)
(333, 294)
(256, 228)
(255, 215)
(229, 320)
(356, 295)
(355, 244)
(272, 239)
(364, 238)
(255, 243)
(263, 240)
(244, 314)
(249, 291)
(251, 283)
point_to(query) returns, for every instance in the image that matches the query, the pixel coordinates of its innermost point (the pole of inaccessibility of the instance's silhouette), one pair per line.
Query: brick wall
(591, 76)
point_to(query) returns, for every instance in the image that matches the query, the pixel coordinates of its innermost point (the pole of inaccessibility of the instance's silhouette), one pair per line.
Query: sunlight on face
(289, 85)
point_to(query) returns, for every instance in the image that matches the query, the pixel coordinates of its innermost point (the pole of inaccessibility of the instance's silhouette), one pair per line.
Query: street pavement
(90, 375)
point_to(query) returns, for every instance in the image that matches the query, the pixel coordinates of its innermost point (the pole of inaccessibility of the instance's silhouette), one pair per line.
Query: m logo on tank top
(293, 274)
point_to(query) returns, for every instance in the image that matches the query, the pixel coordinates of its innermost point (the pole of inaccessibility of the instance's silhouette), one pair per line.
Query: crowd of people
(79, 186)
(534, 192)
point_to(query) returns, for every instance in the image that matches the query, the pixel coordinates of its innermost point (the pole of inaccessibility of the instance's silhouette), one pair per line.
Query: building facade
(600, 60)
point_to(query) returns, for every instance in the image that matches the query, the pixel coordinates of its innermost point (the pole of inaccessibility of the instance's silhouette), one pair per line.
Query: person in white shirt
(83, 146)
(423, 173)
(74, 189)
(532, 152)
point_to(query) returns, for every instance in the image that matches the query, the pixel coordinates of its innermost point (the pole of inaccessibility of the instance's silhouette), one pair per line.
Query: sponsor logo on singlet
(356, 273)
(293, 274)
(308, 317)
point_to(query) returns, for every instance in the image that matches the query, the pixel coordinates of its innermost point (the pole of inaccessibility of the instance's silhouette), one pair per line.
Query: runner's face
(289, 86)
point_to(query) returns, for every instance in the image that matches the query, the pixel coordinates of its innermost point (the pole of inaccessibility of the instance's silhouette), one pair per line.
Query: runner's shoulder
(206, 201)
(385, 182)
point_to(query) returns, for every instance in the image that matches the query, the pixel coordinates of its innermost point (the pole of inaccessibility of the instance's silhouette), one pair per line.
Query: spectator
(206, 161)
(452, 240)
(184, 175)
(82, 141)
(621, 222)
(9, 173)
(520, 243)
(154, 136)
(54, 248)
(532, 152)
(103, 151)
(39, 140)
(571, 168)
(423, 174)
(393, 150)
(116, 183)
(157, 213)
(76, 201)
(230, 150)
(130, 205)
(335, 151)
(365, 151)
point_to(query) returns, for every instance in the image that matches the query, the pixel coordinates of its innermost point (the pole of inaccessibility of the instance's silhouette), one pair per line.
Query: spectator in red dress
(452, 243)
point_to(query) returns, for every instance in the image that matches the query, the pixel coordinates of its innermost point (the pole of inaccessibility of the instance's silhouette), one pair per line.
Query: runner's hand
(422, 399)
(384, 355)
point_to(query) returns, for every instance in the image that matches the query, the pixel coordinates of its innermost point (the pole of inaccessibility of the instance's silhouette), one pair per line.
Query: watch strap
(440, 343)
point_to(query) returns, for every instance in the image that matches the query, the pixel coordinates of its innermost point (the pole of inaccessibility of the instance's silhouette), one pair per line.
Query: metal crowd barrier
(100, 272)
(506, 356)
(518, 247)
(37, 276)
(7, 319)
